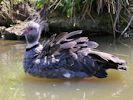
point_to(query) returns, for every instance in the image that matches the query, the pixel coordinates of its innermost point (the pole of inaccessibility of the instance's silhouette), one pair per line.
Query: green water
(16, 85)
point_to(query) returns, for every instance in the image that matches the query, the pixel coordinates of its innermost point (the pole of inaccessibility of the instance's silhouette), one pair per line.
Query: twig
(83, 16)
(124, 19)
(118, 9)
(126, 27)
(83, 8)
(57, 4)
(113, 7)
(100, 4)
(91, 17)
(127, 2)
(90, 6)
(111, 18)
(53, 4)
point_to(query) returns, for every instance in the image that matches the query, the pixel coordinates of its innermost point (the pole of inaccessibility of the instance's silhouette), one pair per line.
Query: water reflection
(73, 89)
(18, 86)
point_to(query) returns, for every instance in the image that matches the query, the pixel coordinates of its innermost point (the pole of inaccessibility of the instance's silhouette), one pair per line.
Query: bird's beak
(23, 32)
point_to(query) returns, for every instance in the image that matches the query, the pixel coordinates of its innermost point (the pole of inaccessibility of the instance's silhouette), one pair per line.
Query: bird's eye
(29, 28)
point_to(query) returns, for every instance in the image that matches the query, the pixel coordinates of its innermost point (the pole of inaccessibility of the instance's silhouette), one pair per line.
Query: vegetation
(85, 8)
(70, 7)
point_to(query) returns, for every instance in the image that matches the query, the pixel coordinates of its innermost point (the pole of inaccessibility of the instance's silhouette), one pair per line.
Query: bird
(65, 55)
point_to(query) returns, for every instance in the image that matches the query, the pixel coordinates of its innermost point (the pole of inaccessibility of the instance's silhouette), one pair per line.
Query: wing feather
(65, 40)
(55, 42)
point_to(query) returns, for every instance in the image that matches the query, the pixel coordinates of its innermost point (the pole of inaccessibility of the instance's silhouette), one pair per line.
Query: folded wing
(65, 41)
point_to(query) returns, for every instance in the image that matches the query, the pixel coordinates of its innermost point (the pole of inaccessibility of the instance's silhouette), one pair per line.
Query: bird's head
(32, 33)
(33, 30)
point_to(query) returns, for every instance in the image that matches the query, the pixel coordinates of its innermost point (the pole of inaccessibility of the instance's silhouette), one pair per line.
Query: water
(16, 85)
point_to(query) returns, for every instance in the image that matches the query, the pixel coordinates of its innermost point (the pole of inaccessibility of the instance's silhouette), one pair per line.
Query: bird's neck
(30, 45)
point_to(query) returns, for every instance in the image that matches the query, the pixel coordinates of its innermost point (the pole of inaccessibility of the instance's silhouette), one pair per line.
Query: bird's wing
(106, 59)
(65, 40)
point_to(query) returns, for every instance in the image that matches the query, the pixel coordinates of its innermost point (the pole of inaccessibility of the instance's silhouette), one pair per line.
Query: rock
(22, 11)
(5, 20)
(100, 24)
(13, 32)
(2, 29)
(10, 13)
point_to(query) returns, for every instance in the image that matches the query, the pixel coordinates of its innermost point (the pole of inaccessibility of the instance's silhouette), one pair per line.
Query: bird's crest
(32, 24)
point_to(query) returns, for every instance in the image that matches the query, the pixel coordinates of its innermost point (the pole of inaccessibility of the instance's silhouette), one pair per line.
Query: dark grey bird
(66, 56)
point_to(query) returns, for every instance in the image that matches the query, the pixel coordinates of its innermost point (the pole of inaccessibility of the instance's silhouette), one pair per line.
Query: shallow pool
(16, 85)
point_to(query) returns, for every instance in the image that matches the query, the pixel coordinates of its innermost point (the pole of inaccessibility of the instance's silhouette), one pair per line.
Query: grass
(70, 7)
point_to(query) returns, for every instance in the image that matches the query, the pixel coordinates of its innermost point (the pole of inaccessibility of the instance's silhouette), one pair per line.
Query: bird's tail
(110, 61)
(98, 62)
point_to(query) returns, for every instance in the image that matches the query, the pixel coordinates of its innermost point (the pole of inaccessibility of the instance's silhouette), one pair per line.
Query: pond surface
(16, 85)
